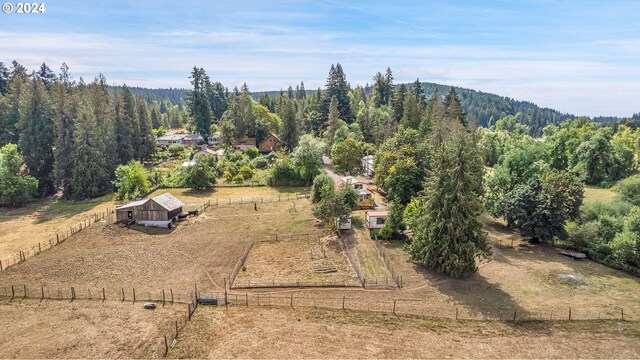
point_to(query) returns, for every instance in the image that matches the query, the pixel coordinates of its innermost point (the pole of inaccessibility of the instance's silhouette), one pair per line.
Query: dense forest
(440, 164)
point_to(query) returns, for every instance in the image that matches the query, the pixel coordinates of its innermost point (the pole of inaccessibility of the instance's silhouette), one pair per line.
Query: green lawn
(593, 194)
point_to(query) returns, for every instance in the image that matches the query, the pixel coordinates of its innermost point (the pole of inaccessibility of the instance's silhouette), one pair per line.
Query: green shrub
(252, 153)
(284, 173)
(131, 181)
(260, 162)
(246, 172)
(629, 190)
(238, 179)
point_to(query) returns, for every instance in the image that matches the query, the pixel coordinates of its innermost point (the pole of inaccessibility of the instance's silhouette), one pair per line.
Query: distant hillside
(484, 106)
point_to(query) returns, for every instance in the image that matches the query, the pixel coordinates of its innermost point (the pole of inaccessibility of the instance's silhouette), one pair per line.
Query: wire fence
(22, 255)
(419, 307)
(397, 278)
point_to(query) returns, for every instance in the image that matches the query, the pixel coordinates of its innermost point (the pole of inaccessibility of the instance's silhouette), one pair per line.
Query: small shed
(375, 219)
(269, 144)
(158, 211)
(343, 222)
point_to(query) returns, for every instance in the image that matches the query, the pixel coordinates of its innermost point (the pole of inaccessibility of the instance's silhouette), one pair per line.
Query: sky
(580, 57)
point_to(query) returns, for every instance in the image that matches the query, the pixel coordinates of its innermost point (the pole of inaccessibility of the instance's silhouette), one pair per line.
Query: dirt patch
(87, 329)
(314, 333)
(306, 261)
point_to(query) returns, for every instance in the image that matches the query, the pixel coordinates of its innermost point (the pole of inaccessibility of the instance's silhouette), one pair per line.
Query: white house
(367, 165)
(353, 182)
(182, 139)
(375, 219)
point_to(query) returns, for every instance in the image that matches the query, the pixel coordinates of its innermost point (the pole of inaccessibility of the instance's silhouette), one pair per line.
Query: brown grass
(593, 194)
(316, 333)
(202, 250)
(87, 329)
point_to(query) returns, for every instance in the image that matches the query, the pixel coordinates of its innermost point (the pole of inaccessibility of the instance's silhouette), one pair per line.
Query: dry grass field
(22, 228)
(593, 194)
(279, 333)
(295, 261)
(202, 250)
(84, 329)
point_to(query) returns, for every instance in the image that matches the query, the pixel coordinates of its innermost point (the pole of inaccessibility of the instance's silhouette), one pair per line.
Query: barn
(158, 211)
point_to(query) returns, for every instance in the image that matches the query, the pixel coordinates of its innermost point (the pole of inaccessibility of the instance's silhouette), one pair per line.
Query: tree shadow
(65, 209)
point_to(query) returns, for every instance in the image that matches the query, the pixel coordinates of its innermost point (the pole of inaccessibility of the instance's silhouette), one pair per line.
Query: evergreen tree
(412, 111)
(397, 103)
(4, 79)
(337, 87)
(216, 95)
(131, 115)
(37, 136)
(198, 102)
(449, 237)
(290, 129)
(301, 92)
(17, 92)
(419, 91)
(453, 108)
(47, 76)
(146, 141)
(88, 176)
(155, 118)
(64, 109)
(106, 126)
(332, 123)
(124, 133)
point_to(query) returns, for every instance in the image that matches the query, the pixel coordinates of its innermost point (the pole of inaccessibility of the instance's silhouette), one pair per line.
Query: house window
(379, 221)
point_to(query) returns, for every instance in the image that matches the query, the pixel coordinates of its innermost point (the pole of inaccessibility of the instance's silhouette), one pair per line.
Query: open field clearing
(84, 329)
(223, 195)
(593, 194)
(320, 333)
(40, 221)
(305, 261)
(202, 250)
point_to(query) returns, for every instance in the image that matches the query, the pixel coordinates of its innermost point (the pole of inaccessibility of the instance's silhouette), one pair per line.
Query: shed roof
(378, 213)
(168, 201)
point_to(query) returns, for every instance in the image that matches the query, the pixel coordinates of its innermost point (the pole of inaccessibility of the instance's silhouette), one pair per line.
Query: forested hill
(175, 96)
(484, 106)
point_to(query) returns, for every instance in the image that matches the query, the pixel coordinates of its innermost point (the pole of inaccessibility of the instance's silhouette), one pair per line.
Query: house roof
(350, 180)
(378, 213)
(270, 135)
(193, 137)
(168, 201)
(171, 137)
(188, 163)
(363, 192)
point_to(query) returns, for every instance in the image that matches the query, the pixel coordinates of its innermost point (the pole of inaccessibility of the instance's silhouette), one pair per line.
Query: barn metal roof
(133, 204)
(168, 201)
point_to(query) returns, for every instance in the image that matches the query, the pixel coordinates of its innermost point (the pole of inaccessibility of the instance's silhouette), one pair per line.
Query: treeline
(536, 185)
(73, 135)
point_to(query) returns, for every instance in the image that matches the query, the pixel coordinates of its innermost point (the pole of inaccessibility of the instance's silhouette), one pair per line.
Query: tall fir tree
(17, 85)
(449, 236)
(89, 175)
(4, 79)
(290, 131)
(37, 136)
(397, 103)
(124, 132)
(146, 141)
(131, 114)
(332, 122)
(155, 118)
(64, 114)
(337, 86)
(453, 107)
(106, 125)
(412, 111)
(47, 76)
(198, 102)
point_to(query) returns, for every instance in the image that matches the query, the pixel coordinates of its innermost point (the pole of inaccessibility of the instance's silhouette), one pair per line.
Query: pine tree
(397, 103)
(146, 141)
(88, 176)
(47, 76)
(301, 92)
(105, 125)
(449, 236)
(337, 86)
(198, 103)
(332, 123)
(63, 108)
(155, 118)
(124, 133)
(37, 136)
(419, 91)
(430, 112)
(454, 107)
(290, 129)
(17, 84)
(412, 111)
(4, 79)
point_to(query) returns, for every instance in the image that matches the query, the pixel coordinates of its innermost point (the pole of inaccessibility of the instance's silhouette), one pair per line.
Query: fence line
(397, 278)
(86, 222)
(422, 307)
(240, 263)
(354, 264)
(346, 283)
(255, 199)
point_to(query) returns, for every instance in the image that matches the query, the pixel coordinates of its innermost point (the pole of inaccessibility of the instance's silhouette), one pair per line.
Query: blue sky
(581, 57)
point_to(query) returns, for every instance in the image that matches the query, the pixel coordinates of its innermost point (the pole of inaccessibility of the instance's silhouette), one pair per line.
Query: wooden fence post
(24, 289)
(134, 295)
(171, 296)
(103, 295)
(515, 314)
(162, 297)
(456, 313)
(42, 293)
(122, 289)
(343, 300)
(39, 248)
(622, 314)
(176, 330)
(0, 265)
(13, 293)
(569, 313)
(246, 299)
(166, 346)
(394, 306)
(291, 299)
